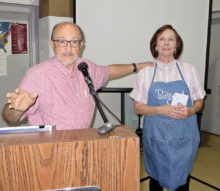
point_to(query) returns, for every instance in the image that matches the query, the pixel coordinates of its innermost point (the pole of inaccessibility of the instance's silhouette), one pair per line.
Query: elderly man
(54, 91)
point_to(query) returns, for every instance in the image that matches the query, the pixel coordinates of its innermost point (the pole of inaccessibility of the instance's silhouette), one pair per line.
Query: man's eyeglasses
(63, 43)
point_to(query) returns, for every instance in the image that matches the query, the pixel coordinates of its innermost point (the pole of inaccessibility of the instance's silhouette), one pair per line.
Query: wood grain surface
(71, 158)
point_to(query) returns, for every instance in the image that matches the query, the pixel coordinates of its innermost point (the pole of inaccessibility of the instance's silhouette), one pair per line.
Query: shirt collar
(162, 65)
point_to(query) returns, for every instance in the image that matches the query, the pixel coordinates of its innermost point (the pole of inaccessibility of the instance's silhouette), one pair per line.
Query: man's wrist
(135, 67)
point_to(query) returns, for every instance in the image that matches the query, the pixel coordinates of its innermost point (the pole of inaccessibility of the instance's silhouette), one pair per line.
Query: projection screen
(119, 31)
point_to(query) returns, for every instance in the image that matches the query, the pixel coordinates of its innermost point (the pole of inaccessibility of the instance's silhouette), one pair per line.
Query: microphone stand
(98, 106)
(107, 126)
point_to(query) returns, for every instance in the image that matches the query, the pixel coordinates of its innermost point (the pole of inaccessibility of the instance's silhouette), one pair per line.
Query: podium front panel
(70, 158)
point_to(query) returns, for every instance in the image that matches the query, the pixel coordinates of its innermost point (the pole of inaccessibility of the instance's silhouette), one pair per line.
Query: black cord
(107, 108)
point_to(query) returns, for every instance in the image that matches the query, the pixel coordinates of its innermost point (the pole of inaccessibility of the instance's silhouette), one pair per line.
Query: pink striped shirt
(63, 100)
(166, 73)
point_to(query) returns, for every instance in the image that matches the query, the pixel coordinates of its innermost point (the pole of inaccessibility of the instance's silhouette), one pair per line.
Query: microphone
(83, 67)
(107, 127)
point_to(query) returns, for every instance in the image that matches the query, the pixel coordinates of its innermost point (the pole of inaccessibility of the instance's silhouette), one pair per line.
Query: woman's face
(166, 44)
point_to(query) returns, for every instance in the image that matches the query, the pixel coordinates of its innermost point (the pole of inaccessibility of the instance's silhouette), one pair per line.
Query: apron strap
(154, 73)
(180, 71)
(187, 88)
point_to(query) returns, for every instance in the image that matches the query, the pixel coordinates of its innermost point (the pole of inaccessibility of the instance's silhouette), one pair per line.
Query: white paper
(179, 99)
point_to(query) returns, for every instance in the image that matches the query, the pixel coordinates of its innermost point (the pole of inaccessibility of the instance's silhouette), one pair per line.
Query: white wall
(216, 5)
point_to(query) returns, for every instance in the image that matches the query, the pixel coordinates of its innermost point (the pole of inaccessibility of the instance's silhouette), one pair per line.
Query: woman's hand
(175, 111)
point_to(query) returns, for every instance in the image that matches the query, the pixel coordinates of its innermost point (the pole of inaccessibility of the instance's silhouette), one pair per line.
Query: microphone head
(82, 65)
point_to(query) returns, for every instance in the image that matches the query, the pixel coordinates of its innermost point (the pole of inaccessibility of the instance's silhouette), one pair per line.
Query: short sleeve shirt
(64, 100)
(167, 73)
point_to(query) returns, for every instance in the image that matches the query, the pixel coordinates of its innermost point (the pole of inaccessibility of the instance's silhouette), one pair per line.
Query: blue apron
(170, 145)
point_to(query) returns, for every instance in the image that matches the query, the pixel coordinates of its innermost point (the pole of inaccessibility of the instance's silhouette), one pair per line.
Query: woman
(168, 95)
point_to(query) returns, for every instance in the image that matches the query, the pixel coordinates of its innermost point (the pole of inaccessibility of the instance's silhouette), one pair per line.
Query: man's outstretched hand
(20, 99)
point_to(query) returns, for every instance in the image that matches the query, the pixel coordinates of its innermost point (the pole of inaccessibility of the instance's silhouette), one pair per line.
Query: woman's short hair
(153, 42)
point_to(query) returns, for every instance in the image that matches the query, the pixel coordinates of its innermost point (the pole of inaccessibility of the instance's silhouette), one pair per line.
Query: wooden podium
(70, 158)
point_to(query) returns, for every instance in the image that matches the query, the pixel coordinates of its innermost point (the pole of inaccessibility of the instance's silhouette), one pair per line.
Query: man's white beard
(67, 63)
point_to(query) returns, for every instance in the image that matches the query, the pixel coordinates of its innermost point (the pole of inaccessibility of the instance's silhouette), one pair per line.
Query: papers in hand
(25, 129)
(179, 99)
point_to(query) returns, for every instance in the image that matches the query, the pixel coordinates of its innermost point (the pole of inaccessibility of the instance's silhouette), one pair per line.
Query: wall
(216, 5)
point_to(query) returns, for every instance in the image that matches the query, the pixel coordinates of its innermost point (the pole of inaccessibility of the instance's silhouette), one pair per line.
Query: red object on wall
(19, 38)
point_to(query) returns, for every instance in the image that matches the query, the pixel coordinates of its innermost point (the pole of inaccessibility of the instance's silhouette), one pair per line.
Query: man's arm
(18, 102)
(11, 115)
(119, 70)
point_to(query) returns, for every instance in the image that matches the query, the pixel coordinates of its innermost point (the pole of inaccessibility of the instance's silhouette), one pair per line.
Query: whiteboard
(119, 32)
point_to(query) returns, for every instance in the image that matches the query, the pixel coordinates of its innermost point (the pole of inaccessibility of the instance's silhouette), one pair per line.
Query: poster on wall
(5, 46)
(19, 38)
(5, 38)
(13, 40)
